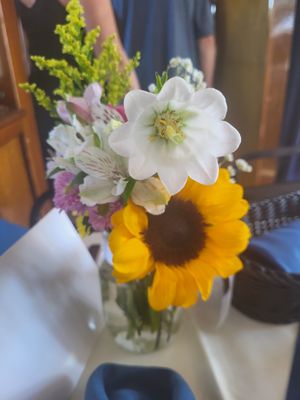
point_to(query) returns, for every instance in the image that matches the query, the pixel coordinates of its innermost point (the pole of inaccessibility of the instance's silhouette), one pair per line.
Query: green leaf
(55, 171)
(97, 141)
(78, 179)
(160, 80)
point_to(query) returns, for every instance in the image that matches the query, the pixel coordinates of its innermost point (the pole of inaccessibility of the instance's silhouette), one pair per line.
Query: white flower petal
(175, 89)
(211, 101)
(225, 139)
(119, 187)
(68, 165)
(63, 112)
(79, 106)
(136, 101)
(96, 163)
(140, 167)
(63, 139)
(92, 94)
(96, 191)
(217, 138)
(120, 140)
(203, 169)
(104, 113)
(173, 178)
(151, 194)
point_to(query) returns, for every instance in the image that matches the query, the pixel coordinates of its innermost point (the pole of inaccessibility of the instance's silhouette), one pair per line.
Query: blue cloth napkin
(120, 382)
(281, 247)
(9, 234)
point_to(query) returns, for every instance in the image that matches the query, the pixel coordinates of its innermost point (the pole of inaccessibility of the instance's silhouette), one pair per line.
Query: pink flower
(66, 197)
(121, 111)
(100, 216)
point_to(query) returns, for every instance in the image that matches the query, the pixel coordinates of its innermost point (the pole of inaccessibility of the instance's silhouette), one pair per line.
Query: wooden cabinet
(22, 176)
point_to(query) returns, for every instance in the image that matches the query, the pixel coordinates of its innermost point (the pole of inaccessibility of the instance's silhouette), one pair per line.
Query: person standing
(163, 29)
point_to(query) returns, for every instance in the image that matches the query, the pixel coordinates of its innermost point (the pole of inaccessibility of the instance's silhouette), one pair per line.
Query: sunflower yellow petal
(186, 291)
(135, 219)
(224, 266)
(162, 291)
(224, 175)
(221, 201)
(228, 266)
(228, 239)
(190, 190)
(203, 275)
(132, 260)
(220, 194)
(117, 218)
(118, 237)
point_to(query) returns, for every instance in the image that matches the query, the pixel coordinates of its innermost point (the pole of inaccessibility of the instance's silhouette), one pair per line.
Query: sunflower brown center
(176, 236)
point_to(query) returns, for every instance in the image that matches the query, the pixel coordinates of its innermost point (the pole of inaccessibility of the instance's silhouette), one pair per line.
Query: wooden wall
(254, 43)
(22, 176)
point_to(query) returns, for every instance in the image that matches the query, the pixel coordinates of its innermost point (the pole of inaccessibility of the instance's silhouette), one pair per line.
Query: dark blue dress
(39, 23)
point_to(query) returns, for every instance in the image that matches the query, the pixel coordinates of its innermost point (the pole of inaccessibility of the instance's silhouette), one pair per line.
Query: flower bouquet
(148, 174)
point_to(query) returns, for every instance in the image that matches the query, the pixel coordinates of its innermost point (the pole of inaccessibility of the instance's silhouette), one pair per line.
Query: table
(242, 360)
(179, 355)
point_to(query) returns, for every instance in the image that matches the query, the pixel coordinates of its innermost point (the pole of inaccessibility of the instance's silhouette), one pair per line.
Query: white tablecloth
(242, 360)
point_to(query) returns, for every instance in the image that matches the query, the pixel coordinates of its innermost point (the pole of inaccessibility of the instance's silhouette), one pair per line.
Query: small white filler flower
(176, 133)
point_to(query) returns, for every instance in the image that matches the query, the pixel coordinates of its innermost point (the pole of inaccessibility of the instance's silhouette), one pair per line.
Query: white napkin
(50, 311)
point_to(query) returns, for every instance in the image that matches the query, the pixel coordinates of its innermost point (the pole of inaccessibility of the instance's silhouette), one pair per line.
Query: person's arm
(28, 3)
(100, 13)
(207, 53)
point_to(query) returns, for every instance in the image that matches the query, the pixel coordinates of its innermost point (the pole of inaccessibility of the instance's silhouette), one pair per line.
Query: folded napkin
(280, 247)
(9, 234)
(120, 382)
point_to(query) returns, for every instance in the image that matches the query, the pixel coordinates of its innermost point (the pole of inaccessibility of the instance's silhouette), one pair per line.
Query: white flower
(231, 170)
(52, 168)
(187, 78)
(97, 191)
(106, 176)
(152, 88)
(65, 141)
(176, 133)
(103, 131)
(174, 62)
(150, 194)
(243, 165)
(187, 64)
(84, 130)
(229, 157)
(67, 165)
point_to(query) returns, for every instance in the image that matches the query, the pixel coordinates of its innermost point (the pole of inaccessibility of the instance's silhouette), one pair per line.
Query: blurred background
(256, 67)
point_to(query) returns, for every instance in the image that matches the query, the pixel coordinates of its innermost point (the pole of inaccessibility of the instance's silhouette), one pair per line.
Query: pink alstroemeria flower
(89, 107)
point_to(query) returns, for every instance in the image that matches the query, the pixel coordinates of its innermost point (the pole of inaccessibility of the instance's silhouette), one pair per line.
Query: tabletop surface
(241, 360)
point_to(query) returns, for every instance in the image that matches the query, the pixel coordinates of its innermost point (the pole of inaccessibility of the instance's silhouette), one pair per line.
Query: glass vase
(134, 325)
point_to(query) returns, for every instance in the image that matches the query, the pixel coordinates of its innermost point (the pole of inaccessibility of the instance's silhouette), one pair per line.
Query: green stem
(158, 335)
(170, 324)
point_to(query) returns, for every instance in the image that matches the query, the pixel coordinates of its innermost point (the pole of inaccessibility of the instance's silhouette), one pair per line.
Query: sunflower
(197, 238)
